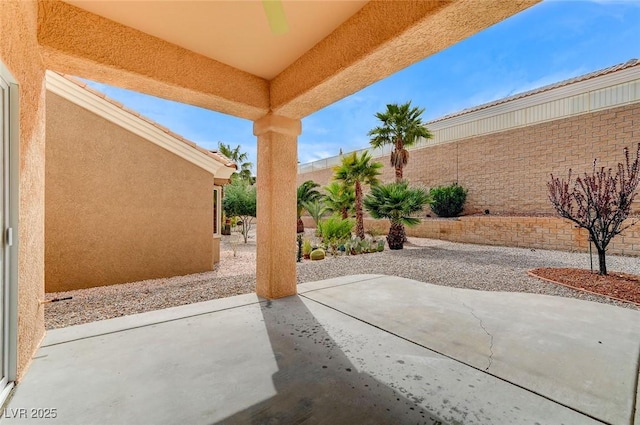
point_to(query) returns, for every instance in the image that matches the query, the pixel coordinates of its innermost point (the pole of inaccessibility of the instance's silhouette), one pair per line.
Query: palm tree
(398, 203)
(240, 158)
(340, 199)
(356, 171)
(307, 192)
(316, 209)
(401, 127)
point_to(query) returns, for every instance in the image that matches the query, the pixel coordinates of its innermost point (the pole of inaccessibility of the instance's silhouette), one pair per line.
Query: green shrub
(336, 230)
(240, 203)
(317, 254)
(448, 201)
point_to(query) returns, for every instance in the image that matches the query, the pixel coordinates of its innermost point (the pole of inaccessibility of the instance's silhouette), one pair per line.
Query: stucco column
(276, 233)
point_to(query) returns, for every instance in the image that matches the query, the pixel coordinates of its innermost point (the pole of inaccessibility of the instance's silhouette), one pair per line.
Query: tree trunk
(345, 214)
(398, 173)
(245, 230)
(300, 227)
(399, 145)
(602, 261)
(359, 217)
(395, 237)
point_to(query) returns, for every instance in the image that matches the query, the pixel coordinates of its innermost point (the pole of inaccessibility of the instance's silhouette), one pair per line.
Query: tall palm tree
(401, 127)
(306, 192)
(355, 171)
(240, 158)
(340, 199)
(398, 203)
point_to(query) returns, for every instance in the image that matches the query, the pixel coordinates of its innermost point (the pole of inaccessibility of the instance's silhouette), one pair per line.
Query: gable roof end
(81, 94)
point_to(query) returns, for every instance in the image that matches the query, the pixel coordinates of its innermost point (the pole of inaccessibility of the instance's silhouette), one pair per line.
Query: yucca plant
(398, 203)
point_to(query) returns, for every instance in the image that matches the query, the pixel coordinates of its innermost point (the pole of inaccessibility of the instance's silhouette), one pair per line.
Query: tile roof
(218, 156)
(615, 68)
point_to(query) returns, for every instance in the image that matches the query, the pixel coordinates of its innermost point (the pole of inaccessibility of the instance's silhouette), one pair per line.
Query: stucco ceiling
(236, 33)
(222, 55)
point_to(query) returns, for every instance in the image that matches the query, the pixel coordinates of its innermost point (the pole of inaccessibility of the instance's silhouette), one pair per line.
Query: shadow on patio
(364, 349)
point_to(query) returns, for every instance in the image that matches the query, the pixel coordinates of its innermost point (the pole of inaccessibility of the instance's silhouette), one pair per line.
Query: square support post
(276, 206)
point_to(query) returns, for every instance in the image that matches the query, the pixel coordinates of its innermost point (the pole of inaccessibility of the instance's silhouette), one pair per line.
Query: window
(217, 210)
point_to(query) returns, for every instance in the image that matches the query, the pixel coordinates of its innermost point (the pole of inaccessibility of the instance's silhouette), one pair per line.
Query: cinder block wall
(507, 173)
(519, 231)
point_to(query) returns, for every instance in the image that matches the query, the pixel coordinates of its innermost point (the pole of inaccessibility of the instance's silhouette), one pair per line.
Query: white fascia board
(572, 89)
(105, 109)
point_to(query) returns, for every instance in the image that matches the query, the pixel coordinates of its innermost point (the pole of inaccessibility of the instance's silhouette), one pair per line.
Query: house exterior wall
(20, 53)
(119, 208)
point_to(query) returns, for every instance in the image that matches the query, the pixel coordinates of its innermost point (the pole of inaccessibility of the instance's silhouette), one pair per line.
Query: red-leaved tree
(599, 202)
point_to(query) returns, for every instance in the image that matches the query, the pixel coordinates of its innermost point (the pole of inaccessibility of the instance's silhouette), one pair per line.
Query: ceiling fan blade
(275, 16)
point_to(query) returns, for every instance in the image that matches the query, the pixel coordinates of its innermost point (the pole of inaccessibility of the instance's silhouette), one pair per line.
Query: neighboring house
(125, 199)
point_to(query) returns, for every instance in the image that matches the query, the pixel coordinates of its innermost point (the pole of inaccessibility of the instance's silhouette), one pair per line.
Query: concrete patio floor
(364, 349)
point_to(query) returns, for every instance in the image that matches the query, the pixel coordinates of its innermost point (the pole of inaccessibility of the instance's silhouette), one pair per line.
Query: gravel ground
(487, 268)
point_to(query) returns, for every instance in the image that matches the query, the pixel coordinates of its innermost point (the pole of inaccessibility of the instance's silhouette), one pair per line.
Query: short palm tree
(340, 199)
(240, 158)
(316, 209)
(399, 203)
(355, 171)
(307, 192)
(401, 127)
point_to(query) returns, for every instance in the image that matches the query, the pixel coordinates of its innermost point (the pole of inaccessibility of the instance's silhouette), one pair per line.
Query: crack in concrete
(485, 331)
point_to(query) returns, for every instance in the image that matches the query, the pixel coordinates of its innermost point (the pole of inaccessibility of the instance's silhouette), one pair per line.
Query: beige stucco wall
(118, 207)
(19, 53)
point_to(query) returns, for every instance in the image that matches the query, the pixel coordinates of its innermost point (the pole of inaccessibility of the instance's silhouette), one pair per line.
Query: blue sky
(549, 42)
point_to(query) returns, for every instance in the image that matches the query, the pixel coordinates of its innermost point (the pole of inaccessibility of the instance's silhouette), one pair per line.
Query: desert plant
(598, 201)
(401, 127)
(299, 252)
(374, 232)
(396, 202)
(335, 231)
(317, 254)
(355, 171)
(447, 201)
(340, 199)
(306, 193)
(306, 248)
(316, 209)
(240, 201)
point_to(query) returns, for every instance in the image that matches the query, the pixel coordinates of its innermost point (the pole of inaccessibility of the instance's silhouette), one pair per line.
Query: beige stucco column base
(276, 230)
